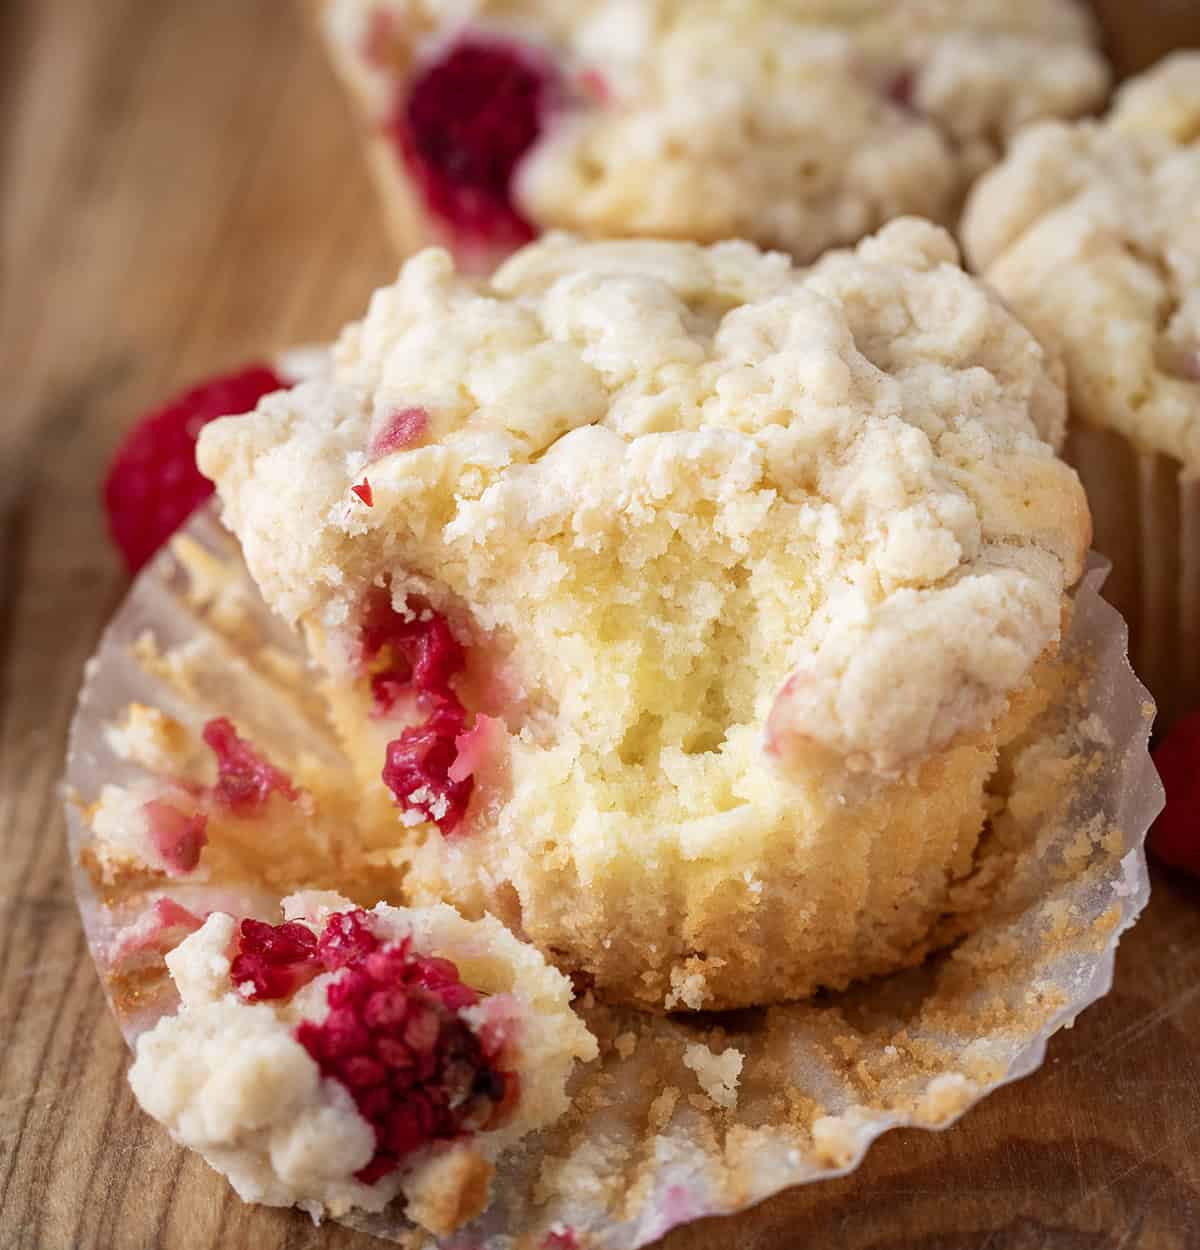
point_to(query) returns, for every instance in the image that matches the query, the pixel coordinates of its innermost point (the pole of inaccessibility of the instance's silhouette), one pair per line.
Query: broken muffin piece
(345, 1056)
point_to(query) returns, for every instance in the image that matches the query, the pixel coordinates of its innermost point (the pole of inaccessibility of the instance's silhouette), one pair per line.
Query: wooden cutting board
(181, 192)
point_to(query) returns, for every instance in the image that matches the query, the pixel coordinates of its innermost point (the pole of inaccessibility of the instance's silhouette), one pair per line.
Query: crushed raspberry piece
(364, 492)
(418, 766)
(160, 929)
(153, 484)
(177, 836)
(244, 779)
(402, 430)
(1175, 835)
(468, 120)
(393, 1038)
(421, 656)
(560, 1237)
(901, 90)
(595, 85)
(423, 652)
(274, 961)
(347, 937)
(475, 747)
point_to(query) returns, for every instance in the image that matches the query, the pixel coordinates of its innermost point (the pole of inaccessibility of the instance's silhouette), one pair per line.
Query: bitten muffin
(1092, 233)
(345, 1057)
(799, 126)
(677, 604)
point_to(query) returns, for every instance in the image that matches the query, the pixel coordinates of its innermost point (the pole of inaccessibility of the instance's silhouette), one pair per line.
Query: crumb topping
(1091, 231)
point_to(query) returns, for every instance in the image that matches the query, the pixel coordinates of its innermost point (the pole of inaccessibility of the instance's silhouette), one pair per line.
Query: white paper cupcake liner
(1146, 513)
(667, 1126)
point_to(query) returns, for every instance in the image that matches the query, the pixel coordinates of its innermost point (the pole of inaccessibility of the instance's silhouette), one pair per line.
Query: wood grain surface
(181, 192)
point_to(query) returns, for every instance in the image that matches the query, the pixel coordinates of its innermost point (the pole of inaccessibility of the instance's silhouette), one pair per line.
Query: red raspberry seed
(403, 429)
(153, 484)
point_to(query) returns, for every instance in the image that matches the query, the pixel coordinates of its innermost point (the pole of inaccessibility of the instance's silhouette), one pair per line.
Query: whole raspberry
(1175, 835)
(469, 118)
(153, 484)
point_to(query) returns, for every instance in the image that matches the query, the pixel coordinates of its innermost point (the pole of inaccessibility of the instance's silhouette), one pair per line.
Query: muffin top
(1092, 231)
(684, 493)
(799, 125)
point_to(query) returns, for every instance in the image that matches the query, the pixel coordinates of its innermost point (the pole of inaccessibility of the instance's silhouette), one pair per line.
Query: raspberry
(468, 120)
(274, 961)
(423, 652)
(420, 655)
(403, 429)
(561, 1237)
(393, 1038)
(419, 762)
(1175, 835)
(153, 484)
(364, 492)
(158, 930)
(177, 836)
(346, 938)
(244, 779)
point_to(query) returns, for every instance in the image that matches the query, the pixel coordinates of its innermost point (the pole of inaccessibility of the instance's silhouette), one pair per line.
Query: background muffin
(1092, 232)
(798, 126)
(685, 601)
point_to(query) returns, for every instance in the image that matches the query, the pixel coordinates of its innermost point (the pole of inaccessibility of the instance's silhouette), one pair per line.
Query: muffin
(799, 126)
(677, 604)
(345, 1057)
(1091, 232)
